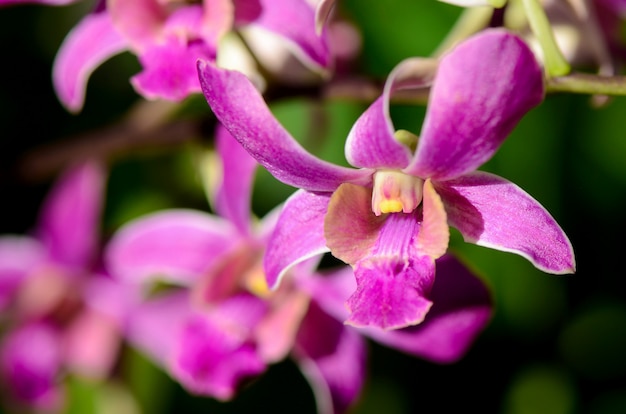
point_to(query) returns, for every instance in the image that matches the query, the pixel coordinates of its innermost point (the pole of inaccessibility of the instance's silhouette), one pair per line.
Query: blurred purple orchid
(169, 36)
(218, 323)
(389, 218)
(60, 313)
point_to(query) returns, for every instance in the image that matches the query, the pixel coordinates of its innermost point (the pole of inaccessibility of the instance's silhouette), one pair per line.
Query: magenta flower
(60, 313)
(168, 37)
(389, 218)
(219, 324)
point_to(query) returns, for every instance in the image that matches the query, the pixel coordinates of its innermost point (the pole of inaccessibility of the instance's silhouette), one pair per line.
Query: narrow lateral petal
(90, 43)
(482, 89)
(351, 229)
(254, 126)
(294, 20)
(299, 234)
(69, 221)
(493, 212)
(391, 292)
(232, 199)
(462, 308)
(371, 142)
(332, 357)
(175, 245)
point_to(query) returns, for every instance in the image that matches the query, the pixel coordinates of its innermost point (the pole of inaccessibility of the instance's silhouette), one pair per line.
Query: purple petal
(19, 257)
(30, 361)
(175, 245)
(332, 357)
(254, 126)
(322, 13)
(70, 217)
(86, 46)
(493, 212)
(371, 142)
(462, 308)
(391, 292)
(232, 199)
(481, 91)
(138, 21)
(169, 69)
(299, 234)
(294, 20)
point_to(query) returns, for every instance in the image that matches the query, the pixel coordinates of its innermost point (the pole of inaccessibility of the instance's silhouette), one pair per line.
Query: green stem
(555, 62)
(588, 83)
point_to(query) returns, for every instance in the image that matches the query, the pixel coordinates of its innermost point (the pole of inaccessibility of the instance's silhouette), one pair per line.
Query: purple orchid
(389, 218)
(168, 37)
(218, 323)
(60, 313)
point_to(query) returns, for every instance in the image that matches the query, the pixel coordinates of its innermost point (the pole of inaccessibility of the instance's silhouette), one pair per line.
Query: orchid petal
(175, 245)
(332, 358)
(276, 332)
(254, 126)
(86, 46)
(351, 229)
(232, 200)
(294, 20)
(391, 292)
(371, 142)
(462, 308)
(169, 70)
(19, 257)
(434, 234)
(70, 217)
(482, 89)
(141, 31)
(299, 234)
(493, 212)
(218, 18)
(30, 361)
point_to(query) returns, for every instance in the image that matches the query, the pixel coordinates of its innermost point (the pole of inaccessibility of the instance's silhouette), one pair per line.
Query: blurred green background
(556, 344)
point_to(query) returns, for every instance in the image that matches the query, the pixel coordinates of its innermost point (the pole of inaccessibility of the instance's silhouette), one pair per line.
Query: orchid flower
(168, 37)
(60, 312)
(218, 323)
(389, 217)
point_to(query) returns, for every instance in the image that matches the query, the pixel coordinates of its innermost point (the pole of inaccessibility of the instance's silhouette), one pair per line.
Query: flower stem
(588, 83)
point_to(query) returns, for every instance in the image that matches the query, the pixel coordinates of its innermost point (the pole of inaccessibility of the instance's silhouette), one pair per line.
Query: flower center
(395, 192)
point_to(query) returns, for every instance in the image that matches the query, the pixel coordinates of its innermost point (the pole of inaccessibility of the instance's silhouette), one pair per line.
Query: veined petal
(86, 46)
(371, 142)
(232, 200)
(482, 89)
(332, 357)
(351, 229)
(462, 308)
(493, 212)
(174, 245)
(254, 126)
(294, 20)
(70, 218)
(391, 291)
(299, 234)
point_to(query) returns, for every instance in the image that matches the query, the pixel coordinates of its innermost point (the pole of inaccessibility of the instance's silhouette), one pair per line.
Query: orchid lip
(396, 192)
